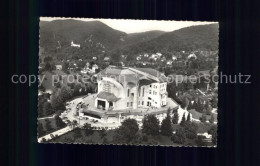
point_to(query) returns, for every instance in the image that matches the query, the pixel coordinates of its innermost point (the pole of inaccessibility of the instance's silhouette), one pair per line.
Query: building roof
(130, 75)
(108, 96)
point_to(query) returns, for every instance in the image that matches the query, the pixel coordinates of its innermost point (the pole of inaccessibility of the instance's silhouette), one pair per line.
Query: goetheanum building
(122, 88)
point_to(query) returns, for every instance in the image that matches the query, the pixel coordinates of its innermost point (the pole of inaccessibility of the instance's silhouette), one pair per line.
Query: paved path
(56, 133)
(48, 117)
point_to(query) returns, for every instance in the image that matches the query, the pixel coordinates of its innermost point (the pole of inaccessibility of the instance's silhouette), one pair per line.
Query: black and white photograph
(128, 82)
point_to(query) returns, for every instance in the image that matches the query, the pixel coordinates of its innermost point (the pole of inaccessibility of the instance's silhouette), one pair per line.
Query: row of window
(155, 86)
(129, 104)
(154, 92)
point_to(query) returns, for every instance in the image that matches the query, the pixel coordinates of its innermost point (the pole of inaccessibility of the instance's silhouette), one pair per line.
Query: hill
(97, 39)
(56, 37)
(203, 37)
(134, 38)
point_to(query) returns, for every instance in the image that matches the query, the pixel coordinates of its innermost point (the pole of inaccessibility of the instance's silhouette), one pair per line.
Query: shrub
(179, 136)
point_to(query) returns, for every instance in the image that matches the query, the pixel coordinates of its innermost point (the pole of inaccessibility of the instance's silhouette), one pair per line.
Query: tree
(203, 118)
(47, 66)
(179, 136)
(166, 127)
(175, 118)
(189, 118)
(47, 108)
(190, 106)
(126, 132)
(199, 106)
(56, 101)
(213, 132)
(77, 88)
(59, 122)
(151, 125)
(88, 129)
(190, 130)
(40, 130)
(214, 102)
(183, 120)
(211, 120)
(48, 125)
(65, 66)
(65, 93)
(47, 59)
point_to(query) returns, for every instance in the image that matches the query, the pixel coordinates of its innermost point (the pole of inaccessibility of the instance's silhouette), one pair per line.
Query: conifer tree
(183, 120)
(175, 118)
(189, 118)
(166, 127)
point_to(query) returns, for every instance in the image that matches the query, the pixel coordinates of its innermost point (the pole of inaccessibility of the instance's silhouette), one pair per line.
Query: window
(131, 104)
(128, 92)
(150, 86)
(142, 102)
(138, 102)
(127, 104)
(149, 98)
(143, 91)
(150, 91)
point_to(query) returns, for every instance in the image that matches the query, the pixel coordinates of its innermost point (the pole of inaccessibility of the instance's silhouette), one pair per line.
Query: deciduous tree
(126, 132)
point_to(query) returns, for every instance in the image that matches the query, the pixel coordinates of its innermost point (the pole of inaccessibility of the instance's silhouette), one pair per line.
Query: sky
(135, 26)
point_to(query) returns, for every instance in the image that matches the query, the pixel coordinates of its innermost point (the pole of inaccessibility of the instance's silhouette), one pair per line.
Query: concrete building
(130, 88)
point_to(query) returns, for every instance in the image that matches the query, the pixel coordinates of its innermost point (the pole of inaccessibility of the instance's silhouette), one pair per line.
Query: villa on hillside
(130, 88)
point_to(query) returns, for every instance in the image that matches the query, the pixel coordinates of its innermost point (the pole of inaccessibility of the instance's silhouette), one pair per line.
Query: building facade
(122, 88)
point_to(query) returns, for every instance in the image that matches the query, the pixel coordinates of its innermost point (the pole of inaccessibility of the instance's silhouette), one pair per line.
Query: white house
(174, 58)
(106, 59)
(94, 67)
(192, 56)
(169, 62)
(74, 45)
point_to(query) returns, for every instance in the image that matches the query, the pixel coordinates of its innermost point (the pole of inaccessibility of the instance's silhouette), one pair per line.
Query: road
(56, 133)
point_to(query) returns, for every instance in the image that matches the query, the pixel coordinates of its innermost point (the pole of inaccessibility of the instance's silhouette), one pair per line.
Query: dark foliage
(151, 125)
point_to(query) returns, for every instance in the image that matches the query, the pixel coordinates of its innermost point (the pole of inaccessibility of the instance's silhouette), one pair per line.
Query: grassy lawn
(197, 115)
(52, 124)
(71, 137)
(203, 127)
(93, 139)
(96, 139)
